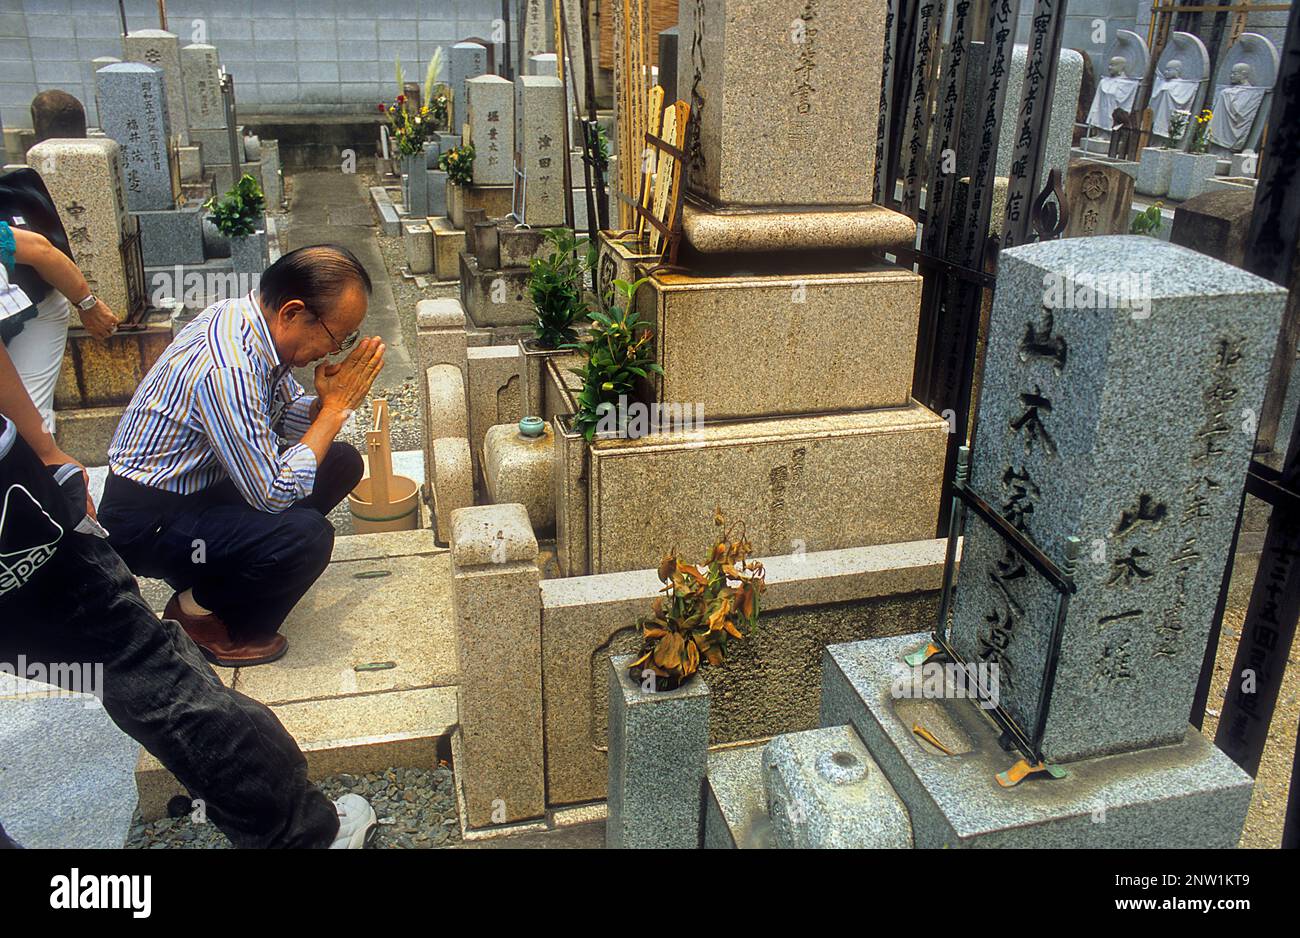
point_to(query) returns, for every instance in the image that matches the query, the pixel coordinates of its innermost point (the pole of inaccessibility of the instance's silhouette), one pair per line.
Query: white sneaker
(356, 821)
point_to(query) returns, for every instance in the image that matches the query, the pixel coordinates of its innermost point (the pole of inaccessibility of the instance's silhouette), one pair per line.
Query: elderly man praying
(223, 469)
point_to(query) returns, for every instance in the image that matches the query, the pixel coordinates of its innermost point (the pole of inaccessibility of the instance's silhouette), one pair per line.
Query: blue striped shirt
(219, 404)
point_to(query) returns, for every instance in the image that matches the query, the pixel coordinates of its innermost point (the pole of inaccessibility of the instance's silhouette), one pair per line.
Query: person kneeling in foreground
(65, 596)
(223, 470)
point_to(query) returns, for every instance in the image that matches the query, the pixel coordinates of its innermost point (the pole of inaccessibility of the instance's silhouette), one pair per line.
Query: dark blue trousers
(248, 566)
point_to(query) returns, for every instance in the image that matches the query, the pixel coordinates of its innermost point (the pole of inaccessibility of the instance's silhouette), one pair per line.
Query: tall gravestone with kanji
(86, 180)
(492, 129)
(1121, 392)
(539, 124)
(132, 107)
(161, 49)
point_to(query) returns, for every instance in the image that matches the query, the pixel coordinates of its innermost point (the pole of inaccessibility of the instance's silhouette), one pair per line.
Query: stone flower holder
(571, 495)
(1154, 171)
(658, 751)
(1188, 174)
(456, 203)
(248, 253)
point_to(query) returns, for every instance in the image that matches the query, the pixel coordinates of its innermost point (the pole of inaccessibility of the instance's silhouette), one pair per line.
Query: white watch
(88, 303)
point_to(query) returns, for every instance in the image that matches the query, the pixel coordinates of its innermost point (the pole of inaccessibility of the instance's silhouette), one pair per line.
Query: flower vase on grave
(248, 253)
(658, 749)
(1189, 173)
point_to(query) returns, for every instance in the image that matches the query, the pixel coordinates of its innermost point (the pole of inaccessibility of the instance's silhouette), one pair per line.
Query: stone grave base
(495, 297)
(769, 683)
(171, 237)
(868, 227)
(811, 342)
(448, 243)
(1187, 795)
(787, 478)
(495, 201)
(104, 374)
(197, 284)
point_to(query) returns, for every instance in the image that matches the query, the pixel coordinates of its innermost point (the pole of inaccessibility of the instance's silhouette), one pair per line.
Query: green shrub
(239, 211)
(555, 285)
(618, 353)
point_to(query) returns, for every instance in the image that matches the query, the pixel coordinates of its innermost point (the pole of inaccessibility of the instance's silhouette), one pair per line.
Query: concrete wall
(287, 56)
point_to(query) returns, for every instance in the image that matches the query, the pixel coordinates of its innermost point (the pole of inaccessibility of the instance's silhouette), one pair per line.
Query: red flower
(382, 108)
(401, 98)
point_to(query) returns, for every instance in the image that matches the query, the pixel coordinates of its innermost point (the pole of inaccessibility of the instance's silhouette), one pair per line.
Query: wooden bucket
(383, 501)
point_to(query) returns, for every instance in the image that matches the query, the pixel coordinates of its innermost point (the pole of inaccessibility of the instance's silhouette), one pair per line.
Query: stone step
(383, 598)
(65, 777)
(1184, 795)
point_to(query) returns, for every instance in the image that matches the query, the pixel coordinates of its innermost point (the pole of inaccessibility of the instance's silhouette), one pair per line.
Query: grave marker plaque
(1123, 379)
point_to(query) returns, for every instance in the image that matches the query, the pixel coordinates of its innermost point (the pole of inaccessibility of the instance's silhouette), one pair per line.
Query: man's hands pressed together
(344, 385)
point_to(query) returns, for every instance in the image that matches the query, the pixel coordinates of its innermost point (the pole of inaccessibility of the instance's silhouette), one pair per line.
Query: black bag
(25, 203)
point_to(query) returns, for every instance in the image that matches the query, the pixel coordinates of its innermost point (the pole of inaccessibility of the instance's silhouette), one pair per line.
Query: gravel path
(416, 810)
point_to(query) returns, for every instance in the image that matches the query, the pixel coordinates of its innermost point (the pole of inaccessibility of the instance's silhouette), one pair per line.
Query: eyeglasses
(349, 341)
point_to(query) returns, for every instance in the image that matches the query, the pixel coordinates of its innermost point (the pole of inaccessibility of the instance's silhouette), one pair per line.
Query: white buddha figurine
(1172, 93)
(1235, 108)
(1115, 91)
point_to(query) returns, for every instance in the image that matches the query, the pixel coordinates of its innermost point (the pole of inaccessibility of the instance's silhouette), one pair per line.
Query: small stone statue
(1114, 92)
(1235, 108)
(1172, 93)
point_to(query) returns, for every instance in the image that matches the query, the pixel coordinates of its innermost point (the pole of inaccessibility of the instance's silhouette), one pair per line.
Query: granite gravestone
(539, 117)
(86, 181)
(1121, 384)
(467, 60)
(133, 111)
(201, 71)
(57, 114)
(1099, 199)
(161, 49)
(492, 129)
(734, 53)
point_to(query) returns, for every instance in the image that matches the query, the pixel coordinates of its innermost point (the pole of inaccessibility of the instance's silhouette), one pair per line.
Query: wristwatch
(88, 303)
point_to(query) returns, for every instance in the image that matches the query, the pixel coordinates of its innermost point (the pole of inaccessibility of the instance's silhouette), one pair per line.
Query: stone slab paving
(385, 598)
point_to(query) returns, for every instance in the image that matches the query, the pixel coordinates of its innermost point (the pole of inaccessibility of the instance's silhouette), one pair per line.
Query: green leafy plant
(704, 607)
(239, 211)
(555, 286)
(458, 164)
(1147, 222)
(617, 352)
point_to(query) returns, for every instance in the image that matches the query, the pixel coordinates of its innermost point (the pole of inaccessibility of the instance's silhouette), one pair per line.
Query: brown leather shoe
(213, 639)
